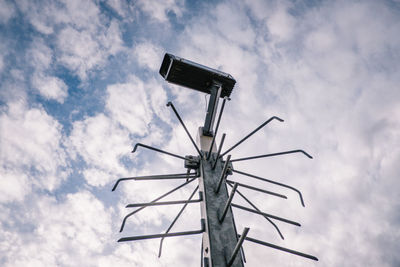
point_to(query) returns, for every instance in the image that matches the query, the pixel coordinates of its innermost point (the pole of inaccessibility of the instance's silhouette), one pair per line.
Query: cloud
(159, 10)
(281, 24)
(322, 72)
(148, 55)
(7, 11)
(129, 105)
(101, 144)
(330, 69)
(40, 57)
(80, 52)
(2, 54)
(31, 153)
(68, 232)
(50, 87)
(45, 17)
(131, 108)
(84, 37)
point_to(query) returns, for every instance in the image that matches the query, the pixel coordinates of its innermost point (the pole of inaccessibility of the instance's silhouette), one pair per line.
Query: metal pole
(219, 238)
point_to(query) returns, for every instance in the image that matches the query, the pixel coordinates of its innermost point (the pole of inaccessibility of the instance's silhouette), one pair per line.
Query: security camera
(192, 75)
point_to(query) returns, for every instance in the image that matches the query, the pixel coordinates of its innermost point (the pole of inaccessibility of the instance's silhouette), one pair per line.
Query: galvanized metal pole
(219, 238)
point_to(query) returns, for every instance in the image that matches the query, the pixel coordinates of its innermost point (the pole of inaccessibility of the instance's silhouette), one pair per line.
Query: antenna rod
(255, 207)
(253, 132)
(156, 149)
(281, 248)
(155, 200)
(223, 174)
(275, 154)
(156, 177)
(228, 203)
(272, 182)
(265, 214)
(141, 237)
(169, 104)
(257, 189)
(175, 202)
(177, 217)
(238, 246)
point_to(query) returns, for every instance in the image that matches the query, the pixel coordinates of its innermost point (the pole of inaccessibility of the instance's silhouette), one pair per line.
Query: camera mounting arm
(215, 89)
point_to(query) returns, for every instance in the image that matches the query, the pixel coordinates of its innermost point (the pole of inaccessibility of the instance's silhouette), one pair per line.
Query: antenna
(220, 241)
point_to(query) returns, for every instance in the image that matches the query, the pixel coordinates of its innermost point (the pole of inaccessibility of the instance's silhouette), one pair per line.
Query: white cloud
(30, 151)
(80, 15)
(159, 10)
(48, 15)
(14, 183)
(321, 71)
(73, 231)
(281, 24)
(148, 55)
(7, 11)
(85, 39)
(330, 70)
(50, 87)
(40, 55)
(80, 52)
(101, 144)
(128, 104)
(83, 51)
(3, 50)
(235, 25)
(112, 39)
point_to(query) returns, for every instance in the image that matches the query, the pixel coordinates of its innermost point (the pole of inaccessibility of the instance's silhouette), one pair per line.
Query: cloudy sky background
(79, 86)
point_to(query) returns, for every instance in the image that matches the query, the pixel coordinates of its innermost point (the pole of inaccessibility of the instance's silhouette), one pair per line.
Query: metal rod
(167, 178)
(228, 203)
(255, 207)
(175, 202)
(141, 237)
(219, 151)
(176, 218)
(281, 248)
(223, 174)
(275, 154)
(160, 197)
(156, 177)
(216, 127)
(273, 182)
(253, 132)
(265, 214)
(184, 127)
(238, 246)
(156, 149)
(258, 189)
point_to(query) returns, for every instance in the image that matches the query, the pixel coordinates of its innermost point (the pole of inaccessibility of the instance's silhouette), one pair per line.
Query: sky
(79, 87)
